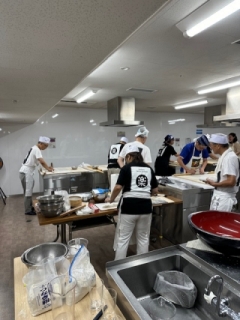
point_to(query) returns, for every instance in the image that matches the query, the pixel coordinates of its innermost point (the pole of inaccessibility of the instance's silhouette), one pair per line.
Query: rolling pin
(93, 169)
(66, 213)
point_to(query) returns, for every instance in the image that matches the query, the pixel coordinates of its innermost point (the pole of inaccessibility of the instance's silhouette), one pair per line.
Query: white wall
(78, 141)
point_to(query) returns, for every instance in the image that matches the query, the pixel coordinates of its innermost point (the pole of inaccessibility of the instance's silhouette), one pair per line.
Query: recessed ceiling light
(55, 115)
(0, 129)
(125, 68)
(91, 121)
(94, 124)
(42, 122)
(191, 104)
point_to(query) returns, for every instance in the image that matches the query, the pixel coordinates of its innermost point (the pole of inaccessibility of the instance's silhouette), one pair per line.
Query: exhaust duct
(121, 113)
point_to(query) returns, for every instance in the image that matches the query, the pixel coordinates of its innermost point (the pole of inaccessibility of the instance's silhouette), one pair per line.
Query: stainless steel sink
(134, 277)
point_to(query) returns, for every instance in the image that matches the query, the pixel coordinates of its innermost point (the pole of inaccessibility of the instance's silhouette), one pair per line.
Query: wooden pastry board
(102, 206)
(196, 177)
(162, 198)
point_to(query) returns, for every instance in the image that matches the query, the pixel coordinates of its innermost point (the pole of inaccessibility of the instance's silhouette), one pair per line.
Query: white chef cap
(219, 138)
(44, 140)
(131, 148)
(124, 139)
(142, 132)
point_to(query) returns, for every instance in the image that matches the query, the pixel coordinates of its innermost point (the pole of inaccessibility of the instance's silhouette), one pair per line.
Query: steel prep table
(196, 196)
(103, 217)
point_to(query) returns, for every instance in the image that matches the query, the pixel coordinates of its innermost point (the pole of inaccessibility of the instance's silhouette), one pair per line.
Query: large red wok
(219, 229)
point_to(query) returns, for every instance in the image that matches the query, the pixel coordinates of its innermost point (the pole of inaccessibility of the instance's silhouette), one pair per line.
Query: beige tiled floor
(17, 235)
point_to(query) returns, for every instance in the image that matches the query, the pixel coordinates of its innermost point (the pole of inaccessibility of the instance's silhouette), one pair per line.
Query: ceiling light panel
(141, 90)
(85, 94)
(220, 86)
(191, 104)
(206, 15)
(213, 19)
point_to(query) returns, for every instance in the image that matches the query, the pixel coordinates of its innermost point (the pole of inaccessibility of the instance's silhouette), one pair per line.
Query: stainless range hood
(231, 114)
(121, 113)
(209, 118)
(224, 115)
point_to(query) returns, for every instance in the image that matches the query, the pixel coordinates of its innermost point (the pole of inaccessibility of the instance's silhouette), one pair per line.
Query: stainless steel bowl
(51, 206)
(45, 250)
(100, 197)
(52, 213)
(29, 265)
(86, 196)
(50, 199)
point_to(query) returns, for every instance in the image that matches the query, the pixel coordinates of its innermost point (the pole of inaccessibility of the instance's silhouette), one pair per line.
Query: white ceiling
(52, 50)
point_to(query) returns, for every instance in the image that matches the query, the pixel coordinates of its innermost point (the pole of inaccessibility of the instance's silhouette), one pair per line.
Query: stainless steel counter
(72, 182)
(195, 197)
(134, 279)
(229, 266)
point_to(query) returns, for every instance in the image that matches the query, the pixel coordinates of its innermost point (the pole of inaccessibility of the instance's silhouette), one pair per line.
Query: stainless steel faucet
(222, 308)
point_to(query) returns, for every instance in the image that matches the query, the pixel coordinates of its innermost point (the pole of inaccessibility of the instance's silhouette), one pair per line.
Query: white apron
(194, 162)
(29, 177)
(222, 201)
(29, 184)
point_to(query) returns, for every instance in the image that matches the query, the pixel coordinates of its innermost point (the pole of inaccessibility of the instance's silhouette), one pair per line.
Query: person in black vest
(137, 182)
(161, 165)
(115, 149)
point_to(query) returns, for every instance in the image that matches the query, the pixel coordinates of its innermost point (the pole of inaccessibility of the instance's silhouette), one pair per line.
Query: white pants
(129, 222)
(222, 201)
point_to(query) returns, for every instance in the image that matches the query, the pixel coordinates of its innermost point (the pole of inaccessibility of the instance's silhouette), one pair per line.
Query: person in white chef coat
(137, 182)
(26, 172)
(140, 140)
(227, 174)
(115, 149)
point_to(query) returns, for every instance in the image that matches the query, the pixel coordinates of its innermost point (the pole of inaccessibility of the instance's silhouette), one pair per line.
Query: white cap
(142, 132)
(124, 139)
(44, 140)
(219, 138)
(131, 148)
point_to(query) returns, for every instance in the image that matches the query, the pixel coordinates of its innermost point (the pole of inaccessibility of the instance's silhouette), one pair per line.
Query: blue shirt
(187, 153)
